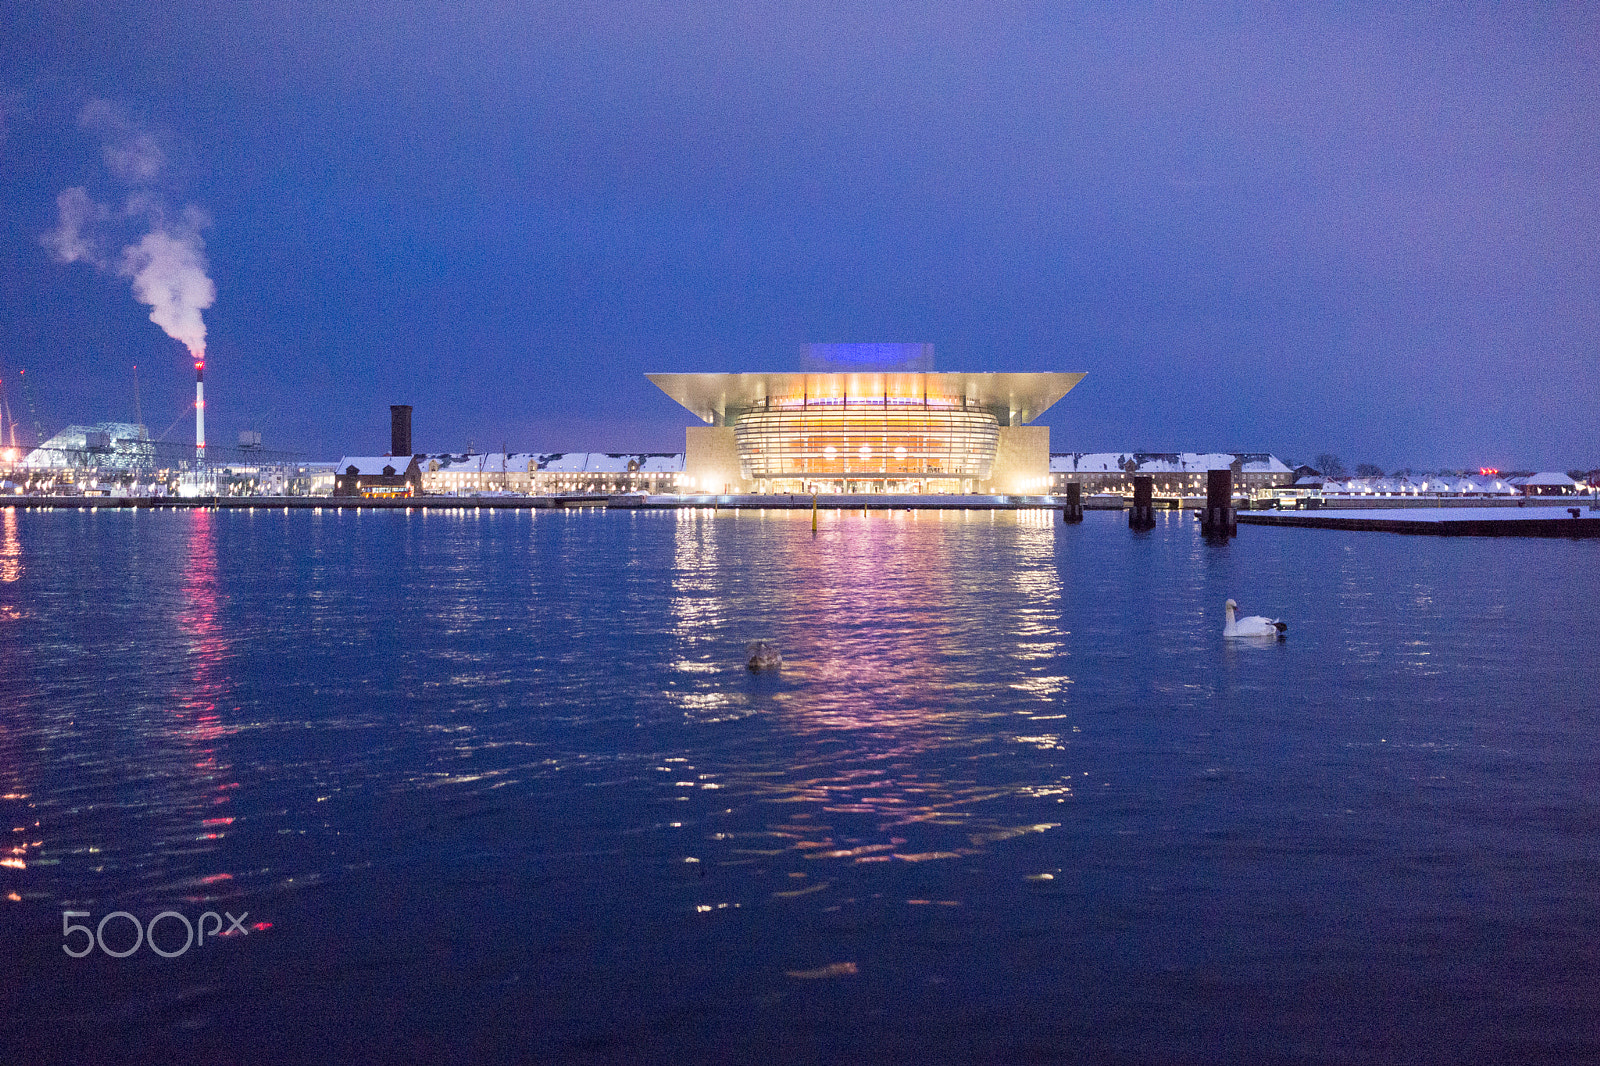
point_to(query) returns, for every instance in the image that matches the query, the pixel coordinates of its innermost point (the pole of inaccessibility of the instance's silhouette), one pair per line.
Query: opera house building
(867, 419)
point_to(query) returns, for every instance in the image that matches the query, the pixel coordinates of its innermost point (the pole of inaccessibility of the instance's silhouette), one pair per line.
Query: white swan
(1254, 626)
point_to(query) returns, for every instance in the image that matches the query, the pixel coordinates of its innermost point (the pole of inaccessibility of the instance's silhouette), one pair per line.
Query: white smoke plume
(131, 151)
(167, 264)
(168, 270)
(73, 238)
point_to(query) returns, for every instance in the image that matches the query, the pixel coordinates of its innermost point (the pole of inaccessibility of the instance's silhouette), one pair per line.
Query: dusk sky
(1344, 230)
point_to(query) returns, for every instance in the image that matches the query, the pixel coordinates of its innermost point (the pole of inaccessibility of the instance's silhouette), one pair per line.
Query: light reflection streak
(10, 547)
(698, 613)
(891, 627)
(196, 724)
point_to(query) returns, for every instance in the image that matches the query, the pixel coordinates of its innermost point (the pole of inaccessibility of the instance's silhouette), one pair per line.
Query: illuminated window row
(866, 440)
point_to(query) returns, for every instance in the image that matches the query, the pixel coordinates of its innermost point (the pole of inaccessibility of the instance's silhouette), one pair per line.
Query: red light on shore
(1488, 471)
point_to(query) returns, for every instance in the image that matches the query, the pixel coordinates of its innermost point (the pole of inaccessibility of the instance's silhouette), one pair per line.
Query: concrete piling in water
(1073, 511)
(1218, 517)
(1143, 515)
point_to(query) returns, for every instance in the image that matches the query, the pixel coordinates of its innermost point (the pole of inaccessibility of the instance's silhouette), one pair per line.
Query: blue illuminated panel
(851, 358)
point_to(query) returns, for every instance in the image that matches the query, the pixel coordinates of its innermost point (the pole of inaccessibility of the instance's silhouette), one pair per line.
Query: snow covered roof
(554, 462)
(611, 462)
(1086, 462)
(1484, 485)
(374, 465)
(662, 462)
(1159, 462)
(480, 462)
(1436, 485)
(1399, 483)
(1546, 478)
(1213, 461)
(563, 462)
(1262, 463)
(1163, 462)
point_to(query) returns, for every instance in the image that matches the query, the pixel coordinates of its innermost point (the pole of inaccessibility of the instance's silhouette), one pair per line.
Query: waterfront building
(867, 418)
(1548, 483)
(1174, 473)
(315, 479)
(1430, 485)
(120, 459)
(378, 476)
(109, 446)
(608, 473)
(551, 473)
(474, 473)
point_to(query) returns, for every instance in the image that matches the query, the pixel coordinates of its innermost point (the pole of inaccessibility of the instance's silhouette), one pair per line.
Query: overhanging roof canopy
(713, 396)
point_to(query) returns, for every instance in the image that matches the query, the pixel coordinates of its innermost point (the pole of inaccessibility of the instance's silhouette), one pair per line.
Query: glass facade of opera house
(857, 438)
(867, 432)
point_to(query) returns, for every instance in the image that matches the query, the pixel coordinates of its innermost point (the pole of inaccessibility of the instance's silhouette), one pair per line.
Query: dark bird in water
(762, 655)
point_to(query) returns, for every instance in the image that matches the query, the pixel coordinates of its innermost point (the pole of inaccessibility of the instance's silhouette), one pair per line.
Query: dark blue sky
(1351, 230)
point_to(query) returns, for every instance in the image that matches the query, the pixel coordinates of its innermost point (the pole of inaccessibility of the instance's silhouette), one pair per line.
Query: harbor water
(497, 786)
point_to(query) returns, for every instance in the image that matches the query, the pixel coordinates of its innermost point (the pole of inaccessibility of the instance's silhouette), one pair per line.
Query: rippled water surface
(498, 786)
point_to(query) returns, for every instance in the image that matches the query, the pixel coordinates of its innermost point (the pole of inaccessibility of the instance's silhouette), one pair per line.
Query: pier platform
(1574, 520)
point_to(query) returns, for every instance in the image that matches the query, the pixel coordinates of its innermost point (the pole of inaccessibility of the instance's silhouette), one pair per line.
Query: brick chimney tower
(400, 429)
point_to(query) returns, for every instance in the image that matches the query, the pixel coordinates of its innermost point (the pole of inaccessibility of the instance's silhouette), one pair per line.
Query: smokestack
(400, 429)
(199, 408)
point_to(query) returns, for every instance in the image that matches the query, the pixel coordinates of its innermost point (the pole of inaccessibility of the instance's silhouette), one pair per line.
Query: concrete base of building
(844, 502)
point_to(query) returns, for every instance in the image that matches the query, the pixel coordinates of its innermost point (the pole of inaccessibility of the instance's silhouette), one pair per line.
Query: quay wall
(757, 501)
(513, 503)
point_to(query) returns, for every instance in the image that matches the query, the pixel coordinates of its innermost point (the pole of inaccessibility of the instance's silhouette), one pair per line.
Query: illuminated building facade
(867, 425)
(1172, 473)
(378, 476)
(550, 473)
